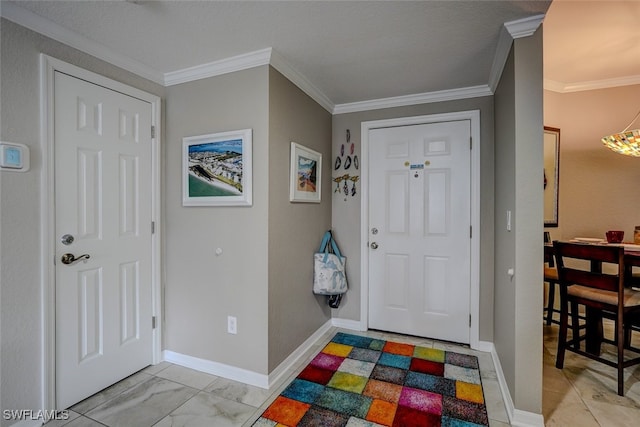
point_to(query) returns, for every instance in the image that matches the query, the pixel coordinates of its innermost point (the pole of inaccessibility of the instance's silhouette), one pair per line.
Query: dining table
(594, 332)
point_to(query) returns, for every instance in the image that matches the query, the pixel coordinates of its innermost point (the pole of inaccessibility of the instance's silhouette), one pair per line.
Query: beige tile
(110, 393)
(455, 348)
(206, 409)
(143, 405)
(83, 421)
(187, 376)
(597, 381)
(60, 421)
(487, 368)
(154, 369)
(611, 415)
(554, 379)
(566, 409)
(493, 400)
(239, 392)
(585, 391)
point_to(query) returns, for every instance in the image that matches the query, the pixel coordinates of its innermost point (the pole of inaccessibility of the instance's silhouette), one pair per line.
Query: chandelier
(626, 142)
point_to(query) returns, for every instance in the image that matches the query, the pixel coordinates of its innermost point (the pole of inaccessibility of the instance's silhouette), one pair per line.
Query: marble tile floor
(584, 392)
(170, 395)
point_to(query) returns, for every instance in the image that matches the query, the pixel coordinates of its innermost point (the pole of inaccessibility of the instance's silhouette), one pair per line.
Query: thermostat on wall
(14, 157)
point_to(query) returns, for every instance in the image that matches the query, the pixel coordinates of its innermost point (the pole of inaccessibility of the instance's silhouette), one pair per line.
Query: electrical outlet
(232, 325)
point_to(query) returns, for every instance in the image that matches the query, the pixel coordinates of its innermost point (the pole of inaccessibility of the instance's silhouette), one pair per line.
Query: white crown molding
(561, 87)
(258, 58)
(554, 86)
(217, 68)
(500, 58)
(510, 30)
(56, 32)
(279, 63)
(524, 27)
(415, 99)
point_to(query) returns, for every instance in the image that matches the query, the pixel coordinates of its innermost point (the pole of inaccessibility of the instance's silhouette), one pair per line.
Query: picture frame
(305, 181)
(217, 169)
(551, 175)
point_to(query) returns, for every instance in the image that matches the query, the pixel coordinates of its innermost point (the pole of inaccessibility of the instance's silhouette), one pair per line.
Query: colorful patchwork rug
(357, 381)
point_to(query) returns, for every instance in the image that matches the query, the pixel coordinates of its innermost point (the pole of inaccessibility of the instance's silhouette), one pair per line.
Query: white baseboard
(485, 346)
(243, 375)
(218, 369)
(516, 416)
(354, 325)
(290, 361)
(526, 419)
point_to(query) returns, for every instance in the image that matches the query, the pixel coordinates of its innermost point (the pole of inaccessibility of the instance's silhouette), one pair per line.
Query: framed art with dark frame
(551, 175)
(305, 175)
(216, 169)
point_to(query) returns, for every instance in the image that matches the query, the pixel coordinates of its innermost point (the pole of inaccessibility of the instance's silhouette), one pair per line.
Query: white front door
(103, 204)
(420, 221)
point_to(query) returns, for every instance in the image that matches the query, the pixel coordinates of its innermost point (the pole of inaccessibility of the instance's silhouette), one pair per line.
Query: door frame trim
(48, 67)
(474, 296)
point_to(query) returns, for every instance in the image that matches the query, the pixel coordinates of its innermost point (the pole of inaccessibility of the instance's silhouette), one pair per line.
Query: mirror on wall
(551, 175)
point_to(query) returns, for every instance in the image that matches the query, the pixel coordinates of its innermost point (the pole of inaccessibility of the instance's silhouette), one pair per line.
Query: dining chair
(551, 278)
(603, 294)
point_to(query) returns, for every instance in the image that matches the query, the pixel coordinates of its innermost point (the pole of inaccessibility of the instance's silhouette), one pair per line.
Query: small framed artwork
(216, 169)
(306, 175)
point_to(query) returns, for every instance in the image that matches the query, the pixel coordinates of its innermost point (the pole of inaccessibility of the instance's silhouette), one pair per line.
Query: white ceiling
(591, 44)
(350, 51)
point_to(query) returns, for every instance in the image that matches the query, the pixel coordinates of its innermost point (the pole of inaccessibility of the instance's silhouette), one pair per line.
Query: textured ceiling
(362, 50)
(350, 51)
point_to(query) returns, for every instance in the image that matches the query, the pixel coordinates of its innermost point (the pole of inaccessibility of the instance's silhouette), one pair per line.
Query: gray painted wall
(519, 127)
(504, 331)
(346, 209)
(295, 229)
(529, 210)
(265, 273)
(202, 289)
(20, 198)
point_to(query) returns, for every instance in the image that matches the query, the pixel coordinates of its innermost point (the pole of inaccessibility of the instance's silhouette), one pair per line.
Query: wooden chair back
(590, 277)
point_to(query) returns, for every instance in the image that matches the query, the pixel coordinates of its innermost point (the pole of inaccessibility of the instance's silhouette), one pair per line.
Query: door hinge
(471, 231)
(469, 320)
(153, 322)
(470, 143)
(153, 131)
(153, 227)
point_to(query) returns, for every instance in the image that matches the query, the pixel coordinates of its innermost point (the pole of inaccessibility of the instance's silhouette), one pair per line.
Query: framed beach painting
(216, 169)
(305, 175)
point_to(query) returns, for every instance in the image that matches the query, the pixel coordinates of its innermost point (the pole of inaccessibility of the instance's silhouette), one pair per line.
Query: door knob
(373, 245)
(71, 258)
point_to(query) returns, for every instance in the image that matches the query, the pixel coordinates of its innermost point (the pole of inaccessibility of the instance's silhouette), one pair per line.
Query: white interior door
(420, 224)
(103, 201)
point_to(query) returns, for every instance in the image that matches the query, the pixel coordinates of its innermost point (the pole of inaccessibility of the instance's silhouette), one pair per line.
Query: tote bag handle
(324, 245)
